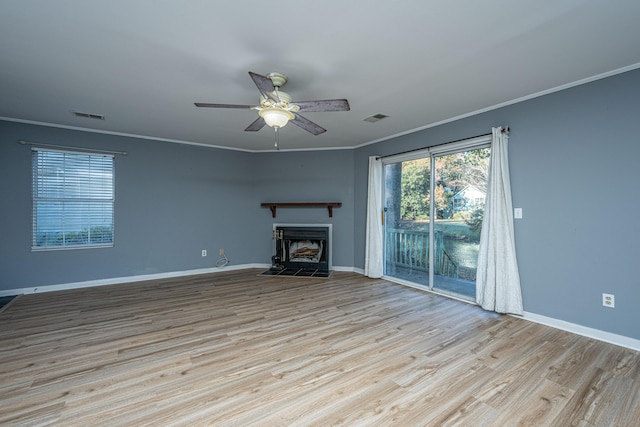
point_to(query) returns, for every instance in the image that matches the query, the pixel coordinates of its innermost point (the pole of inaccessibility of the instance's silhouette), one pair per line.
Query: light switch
(517, 213)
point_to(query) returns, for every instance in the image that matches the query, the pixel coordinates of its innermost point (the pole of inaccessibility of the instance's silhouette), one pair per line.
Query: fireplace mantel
(274, 206)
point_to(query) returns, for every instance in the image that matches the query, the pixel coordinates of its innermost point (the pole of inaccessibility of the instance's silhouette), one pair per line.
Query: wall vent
(375, 118)
(88, 115)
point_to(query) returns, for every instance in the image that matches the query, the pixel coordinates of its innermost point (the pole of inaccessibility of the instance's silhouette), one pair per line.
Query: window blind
(73, 199)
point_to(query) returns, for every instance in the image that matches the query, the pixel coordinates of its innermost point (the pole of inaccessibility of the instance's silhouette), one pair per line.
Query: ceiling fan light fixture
(276, 117)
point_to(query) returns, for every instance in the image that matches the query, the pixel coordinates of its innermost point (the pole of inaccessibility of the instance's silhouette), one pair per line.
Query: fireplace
(301, 250)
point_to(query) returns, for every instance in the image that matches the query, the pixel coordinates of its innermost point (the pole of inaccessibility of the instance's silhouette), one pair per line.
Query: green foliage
(461, 216)
(415, 188)
(443, 201)
(475, 220)
(453, 173)
(98, 235)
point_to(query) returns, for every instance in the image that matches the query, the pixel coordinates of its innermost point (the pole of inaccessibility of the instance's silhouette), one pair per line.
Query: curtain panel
(497, 277)
(374, 257)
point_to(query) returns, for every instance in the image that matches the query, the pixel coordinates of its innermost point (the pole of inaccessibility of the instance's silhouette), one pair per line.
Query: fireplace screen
(305, 250)
(301, 251)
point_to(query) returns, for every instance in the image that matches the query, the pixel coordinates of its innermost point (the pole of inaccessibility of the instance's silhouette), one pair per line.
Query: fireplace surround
(301, 250)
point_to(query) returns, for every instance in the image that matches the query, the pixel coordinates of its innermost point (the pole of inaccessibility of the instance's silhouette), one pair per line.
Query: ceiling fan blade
(206, 104)
(265, 86)
(307, 125)
(258, 124)
(326, 105)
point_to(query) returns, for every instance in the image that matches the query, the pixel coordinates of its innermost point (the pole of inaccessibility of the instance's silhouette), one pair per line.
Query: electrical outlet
(608, 300)
(221, 251)
(204, 252)
(517, 213)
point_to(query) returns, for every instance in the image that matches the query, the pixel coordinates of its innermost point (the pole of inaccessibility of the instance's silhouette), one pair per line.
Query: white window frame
(63, 193)
(475, 143)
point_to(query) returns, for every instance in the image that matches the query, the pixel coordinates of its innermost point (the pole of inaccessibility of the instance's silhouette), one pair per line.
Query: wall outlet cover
(608, 300)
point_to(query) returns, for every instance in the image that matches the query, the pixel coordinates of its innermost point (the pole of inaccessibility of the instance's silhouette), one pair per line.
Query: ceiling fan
(276, 108)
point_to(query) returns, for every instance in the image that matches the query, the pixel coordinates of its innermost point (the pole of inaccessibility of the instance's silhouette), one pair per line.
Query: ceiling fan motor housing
(278, 79)
(284, 98)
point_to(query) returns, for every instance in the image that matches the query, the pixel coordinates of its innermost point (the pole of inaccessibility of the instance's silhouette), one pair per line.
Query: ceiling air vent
(89, 115)
(375, 118)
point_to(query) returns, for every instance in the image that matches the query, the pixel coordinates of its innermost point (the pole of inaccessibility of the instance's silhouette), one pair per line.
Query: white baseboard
(584, 331)
(347, 269)
(597, 334)
(127, 279)
(358, 270)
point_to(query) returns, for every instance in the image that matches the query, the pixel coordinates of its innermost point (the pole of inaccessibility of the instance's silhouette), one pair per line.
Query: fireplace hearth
(301, 250)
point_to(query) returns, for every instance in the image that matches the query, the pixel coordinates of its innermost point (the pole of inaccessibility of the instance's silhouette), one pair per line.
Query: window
(434, 207)
(73, 199)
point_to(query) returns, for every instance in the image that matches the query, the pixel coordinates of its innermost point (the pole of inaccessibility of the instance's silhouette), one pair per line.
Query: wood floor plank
(237, 348)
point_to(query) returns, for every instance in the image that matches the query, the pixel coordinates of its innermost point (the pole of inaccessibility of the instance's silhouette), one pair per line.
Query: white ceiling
(142, 63)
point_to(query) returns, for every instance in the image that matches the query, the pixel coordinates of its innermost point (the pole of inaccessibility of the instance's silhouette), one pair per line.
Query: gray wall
(172, 201)
(574, 171)
(319, 176)
(573, 161)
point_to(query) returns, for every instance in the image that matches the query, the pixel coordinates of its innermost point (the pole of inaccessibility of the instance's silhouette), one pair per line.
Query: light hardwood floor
(239, 349)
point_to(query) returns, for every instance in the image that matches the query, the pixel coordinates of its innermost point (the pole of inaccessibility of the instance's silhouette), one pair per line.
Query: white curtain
(497, 279)
(373, 262)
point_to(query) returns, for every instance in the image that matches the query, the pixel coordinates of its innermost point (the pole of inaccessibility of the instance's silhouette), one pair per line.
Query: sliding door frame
(479, 142)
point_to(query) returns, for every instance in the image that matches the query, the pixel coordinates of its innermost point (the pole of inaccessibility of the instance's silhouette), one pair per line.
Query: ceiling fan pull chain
(277, 138)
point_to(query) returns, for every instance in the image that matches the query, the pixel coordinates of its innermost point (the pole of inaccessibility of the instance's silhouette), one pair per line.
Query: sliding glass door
(406, 222)
(434, 205)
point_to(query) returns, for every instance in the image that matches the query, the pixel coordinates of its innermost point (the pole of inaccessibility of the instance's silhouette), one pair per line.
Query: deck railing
(410, 248)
